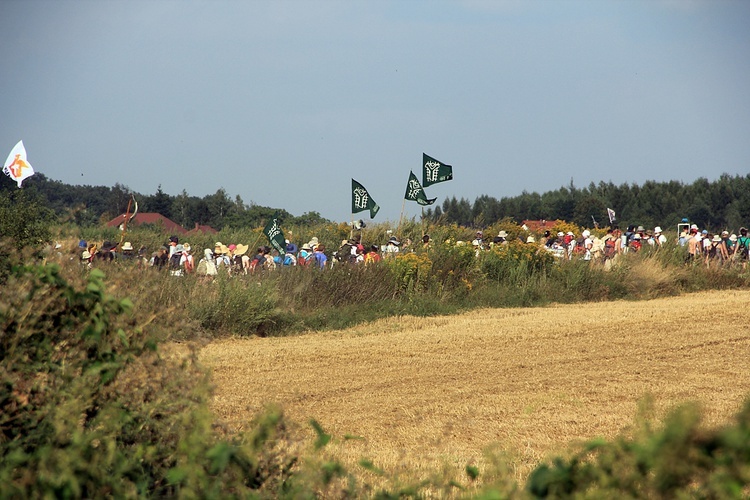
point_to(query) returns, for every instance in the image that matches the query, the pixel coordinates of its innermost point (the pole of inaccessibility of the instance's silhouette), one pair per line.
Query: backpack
(344, 254)
(579, 248)
(609, 248)
(744, 245)
(202, 267)
(174, 264)
(174, 261)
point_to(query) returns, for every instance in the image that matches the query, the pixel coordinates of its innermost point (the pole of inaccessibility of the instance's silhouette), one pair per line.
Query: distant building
(155, 219)
(538, 226)
(202, 229)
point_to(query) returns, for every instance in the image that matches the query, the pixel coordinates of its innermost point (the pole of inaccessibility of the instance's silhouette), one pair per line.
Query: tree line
(87, 206)
(724, 203)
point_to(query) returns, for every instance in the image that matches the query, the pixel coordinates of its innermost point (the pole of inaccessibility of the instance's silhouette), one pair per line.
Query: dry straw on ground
(424, 393)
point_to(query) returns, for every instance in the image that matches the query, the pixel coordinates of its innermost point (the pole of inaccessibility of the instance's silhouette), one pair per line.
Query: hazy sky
(284, 102)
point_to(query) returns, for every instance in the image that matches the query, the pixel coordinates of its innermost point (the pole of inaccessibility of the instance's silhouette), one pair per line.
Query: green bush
(679, 459)
(91, 409)
(515, 262)
(240, 305)
(454, 270)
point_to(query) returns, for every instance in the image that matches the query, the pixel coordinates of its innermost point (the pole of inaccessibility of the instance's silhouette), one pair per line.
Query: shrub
(238, 305)
(91, 409)
(410, 272)
(454, 269)
(305, 289)
(515, 262)
(679, 459)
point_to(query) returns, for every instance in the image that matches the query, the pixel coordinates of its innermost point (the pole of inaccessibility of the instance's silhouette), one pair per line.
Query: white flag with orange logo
(16, 166)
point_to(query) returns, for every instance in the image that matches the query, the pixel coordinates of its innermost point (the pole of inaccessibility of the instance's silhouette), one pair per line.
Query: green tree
(160, 203)
(219, 205)
(24, 226)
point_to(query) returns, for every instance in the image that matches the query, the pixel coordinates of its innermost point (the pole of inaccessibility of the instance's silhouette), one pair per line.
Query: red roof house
(202, 229)
(538, 226)
(170, 226)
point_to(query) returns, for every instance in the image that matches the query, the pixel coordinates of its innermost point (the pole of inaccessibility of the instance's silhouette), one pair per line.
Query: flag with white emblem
(414, 191)
(434, 171)
(275, 235)
(361, 200)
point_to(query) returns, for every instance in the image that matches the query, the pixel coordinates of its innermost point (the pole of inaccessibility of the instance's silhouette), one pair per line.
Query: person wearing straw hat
(237, 257)
(304, 255)
(221, 254)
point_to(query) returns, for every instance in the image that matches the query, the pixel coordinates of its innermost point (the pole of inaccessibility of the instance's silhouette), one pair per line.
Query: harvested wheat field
(424, 393)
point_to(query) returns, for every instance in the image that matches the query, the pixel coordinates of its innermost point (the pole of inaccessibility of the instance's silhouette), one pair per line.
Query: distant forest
(87, 206)
(724, 203)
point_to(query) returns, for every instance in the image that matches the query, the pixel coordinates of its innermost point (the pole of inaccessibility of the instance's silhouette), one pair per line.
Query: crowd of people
(177, 257)
(703, 246)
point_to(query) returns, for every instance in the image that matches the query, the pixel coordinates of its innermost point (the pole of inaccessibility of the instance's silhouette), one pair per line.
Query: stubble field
(429, 393)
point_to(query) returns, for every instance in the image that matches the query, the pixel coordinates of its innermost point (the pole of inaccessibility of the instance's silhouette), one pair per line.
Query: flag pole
(401, 216)
(422, 222)
(127, 217)
(255, 245)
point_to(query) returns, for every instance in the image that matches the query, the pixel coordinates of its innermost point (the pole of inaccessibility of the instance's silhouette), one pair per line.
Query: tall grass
(442, 279)
(93, 407)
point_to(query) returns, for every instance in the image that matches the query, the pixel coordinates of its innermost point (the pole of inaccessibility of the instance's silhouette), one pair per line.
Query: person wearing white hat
(128, 252)
(86, 259)
(588, 244)
(716, 251)
(500, 239)
(659, 237)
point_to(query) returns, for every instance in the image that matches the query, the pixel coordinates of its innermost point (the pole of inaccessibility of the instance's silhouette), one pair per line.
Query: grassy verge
(446, 279)
(95, 406)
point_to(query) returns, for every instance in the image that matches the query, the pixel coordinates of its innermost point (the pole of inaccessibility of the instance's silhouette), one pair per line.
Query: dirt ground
(429, 393)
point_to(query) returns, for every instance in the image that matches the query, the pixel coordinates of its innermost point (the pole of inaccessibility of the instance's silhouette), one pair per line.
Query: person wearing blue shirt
(320, 256)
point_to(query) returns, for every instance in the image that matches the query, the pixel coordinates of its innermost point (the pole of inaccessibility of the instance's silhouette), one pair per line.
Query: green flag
(275, 235)
(414, 191)
(433, 171)
(361, 200)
